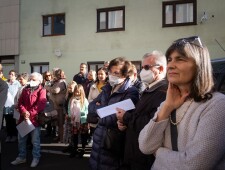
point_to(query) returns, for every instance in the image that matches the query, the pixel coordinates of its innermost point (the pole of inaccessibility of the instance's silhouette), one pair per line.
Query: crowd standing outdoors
(178, 121)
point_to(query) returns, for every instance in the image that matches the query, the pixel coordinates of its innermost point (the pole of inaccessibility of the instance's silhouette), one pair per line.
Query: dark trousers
(10, 125)
(83, 140)
(92, 130)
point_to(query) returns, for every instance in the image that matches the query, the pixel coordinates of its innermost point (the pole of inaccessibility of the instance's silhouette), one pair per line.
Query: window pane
(115, 19)
(184, 13)
(47, 22)
(169, 14)
(45, 68)
(92, 67)
(36, 69)
(59, 24)
(102, 20)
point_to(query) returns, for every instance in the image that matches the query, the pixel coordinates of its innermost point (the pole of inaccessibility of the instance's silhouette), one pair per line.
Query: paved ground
(52, 157)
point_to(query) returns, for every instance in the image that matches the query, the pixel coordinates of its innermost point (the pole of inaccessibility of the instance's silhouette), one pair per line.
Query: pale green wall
(143, 32)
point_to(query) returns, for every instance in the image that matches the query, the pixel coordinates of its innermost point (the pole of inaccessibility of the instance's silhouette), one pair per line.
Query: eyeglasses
(191, 40)
(114, 74)
(147, 67)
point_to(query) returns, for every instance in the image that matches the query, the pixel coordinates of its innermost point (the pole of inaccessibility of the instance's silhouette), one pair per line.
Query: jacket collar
(156, 86)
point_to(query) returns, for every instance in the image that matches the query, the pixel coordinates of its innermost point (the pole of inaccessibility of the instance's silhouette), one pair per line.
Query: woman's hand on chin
(175, 97)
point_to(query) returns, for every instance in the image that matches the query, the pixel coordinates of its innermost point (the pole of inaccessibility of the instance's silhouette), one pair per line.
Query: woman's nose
(171, 65)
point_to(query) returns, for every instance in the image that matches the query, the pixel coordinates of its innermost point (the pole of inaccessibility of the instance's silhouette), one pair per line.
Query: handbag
(42, 119)
(114, 141)
(92, 119)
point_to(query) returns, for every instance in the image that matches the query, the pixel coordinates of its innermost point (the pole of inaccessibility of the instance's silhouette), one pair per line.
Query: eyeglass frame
(195, 40)
(148, 67)
(114, 74)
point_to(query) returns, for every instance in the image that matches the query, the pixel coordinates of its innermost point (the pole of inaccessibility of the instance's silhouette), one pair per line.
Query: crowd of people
(178, 121)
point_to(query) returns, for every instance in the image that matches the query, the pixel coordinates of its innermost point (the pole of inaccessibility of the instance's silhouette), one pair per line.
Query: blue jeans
(35, 139)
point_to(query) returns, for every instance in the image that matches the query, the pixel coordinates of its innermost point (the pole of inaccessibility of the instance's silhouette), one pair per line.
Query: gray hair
(93, 74)
(38, 76)
(159, 57)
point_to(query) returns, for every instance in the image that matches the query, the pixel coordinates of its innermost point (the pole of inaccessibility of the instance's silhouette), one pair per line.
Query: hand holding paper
(119, 114)
(111, 109)
(25, 127)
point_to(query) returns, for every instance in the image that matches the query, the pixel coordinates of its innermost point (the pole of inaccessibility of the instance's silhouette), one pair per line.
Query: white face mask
(34, 83)
(114, 80)
(147, 76)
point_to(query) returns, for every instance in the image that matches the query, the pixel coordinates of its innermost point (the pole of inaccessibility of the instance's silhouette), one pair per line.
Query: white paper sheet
(16, 115)
(25, 127)
(111, 109)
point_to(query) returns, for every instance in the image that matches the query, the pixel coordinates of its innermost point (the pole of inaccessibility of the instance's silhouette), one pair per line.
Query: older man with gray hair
(31, 102)
(153, 75)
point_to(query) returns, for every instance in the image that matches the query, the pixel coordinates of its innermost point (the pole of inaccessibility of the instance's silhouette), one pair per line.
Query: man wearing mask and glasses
(153, 75)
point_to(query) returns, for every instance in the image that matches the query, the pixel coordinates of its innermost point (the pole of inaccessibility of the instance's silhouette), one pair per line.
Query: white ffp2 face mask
(147, 76)
(114, 80)
(34, 83)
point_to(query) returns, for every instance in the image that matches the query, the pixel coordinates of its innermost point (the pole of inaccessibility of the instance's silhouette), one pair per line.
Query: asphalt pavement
(52, 157)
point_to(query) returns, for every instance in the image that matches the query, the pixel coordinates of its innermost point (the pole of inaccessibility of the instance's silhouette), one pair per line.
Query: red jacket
(33, 102)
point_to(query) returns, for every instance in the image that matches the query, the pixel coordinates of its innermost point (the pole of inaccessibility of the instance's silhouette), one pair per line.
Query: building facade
(56, 33)
(9, 35)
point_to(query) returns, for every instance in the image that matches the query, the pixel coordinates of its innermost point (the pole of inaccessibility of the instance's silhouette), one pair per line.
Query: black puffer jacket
(102, 159)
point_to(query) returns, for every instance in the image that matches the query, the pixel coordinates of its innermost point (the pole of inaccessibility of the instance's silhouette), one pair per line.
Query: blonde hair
(80, 89)
(132, 70)
(70, 84)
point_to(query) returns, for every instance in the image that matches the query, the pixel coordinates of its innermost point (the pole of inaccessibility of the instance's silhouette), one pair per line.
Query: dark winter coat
(87, 85)
(136, 120)
(102, 159)
(80, 78)
(139, 85)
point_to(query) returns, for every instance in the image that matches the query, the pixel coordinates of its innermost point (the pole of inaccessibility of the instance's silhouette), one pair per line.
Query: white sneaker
(18, 161)
(34, 162)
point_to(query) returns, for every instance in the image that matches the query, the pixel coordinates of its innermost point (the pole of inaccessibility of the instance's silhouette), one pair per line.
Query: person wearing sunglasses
(47, 78)
(188, 129)
(153, 74)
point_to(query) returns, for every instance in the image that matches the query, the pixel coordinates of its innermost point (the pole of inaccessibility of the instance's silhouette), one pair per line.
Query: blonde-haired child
(78, 109)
